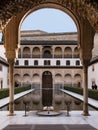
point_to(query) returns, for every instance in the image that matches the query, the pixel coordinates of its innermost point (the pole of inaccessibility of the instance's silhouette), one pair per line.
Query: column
(11, 87)
(85, 89)
(63, 52)
(86, 43)
(41, 52)
(11, 40)
(52, 51)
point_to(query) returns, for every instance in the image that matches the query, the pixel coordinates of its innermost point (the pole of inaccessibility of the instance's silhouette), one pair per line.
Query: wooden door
(47, 91)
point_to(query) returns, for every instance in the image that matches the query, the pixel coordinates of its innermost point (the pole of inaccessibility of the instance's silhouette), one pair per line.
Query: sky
(48, 20)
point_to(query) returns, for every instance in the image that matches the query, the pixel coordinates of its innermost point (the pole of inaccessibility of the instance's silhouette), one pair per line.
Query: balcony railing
(57, 56)
(35, 56)
(76, 56)
(48, 56)
(26, 56)
(67, 56)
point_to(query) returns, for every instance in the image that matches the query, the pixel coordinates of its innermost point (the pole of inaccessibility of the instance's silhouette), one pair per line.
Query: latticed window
(67, 62)
(46, 62)
(58, 62)
(36, 62)
(26, 62)
(77, 62)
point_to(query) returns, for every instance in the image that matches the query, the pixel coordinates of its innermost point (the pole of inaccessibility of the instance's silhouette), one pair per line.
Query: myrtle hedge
(5, 92)
(92, 93)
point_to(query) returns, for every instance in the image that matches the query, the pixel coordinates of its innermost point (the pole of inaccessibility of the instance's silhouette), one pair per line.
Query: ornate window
(77, 62)
(26, 62)
(58, 62)
(67, 62)
(46, 62)
(35, 62)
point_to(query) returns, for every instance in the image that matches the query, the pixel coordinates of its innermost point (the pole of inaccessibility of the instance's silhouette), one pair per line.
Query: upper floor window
(77, 62)
(46, 62)
(26, 62)
(67, 62)
(47, 54)
(17, 62)
(36, 62)
(58, 62)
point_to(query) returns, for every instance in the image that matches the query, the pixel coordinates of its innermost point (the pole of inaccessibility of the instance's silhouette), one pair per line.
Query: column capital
(85, 62)
(11, 55)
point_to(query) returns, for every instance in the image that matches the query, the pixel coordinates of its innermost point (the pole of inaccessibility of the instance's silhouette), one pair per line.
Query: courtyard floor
(75, 117)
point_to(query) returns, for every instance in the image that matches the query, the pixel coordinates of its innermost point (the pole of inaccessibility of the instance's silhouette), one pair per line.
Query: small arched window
(46, 62)
(58, 62)
(77, 62)
(26, 62)
(67, 62)
(36, 62)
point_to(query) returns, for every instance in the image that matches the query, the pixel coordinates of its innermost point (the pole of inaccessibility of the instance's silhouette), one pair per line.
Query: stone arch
(58, 78)
(47, 52)
(68, 52)
(17, 79)
(58, 52)
(36, 81)
(36, 78)
(84, 27)
(77, 80)
(58, 81)
(76, 52)
(60, 6)
(53, 4)
(26, 52)
(26, 79)
(68, 80)
(36, 52)
(80, 15)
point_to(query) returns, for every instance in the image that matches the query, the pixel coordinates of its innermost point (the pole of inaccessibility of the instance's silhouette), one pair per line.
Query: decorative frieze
(84, 8)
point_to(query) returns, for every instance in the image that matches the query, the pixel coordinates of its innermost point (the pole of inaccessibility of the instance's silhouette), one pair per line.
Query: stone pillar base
(85, 114)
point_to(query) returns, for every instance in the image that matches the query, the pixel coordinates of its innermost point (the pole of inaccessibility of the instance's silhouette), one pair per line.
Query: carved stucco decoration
(83, 8)
(83, 11)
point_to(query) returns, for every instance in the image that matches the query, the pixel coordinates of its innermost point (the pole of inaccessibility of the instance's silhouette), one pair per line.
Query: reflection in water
(60, 102)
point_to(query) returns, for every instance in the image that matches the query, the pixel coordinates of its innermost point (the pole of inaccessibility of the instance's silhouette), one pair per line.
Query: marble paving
(75, 118)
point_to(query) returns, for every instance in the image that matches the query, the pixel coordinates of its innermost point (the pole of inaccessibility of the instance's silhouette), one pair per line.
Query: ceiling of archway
(83, 8)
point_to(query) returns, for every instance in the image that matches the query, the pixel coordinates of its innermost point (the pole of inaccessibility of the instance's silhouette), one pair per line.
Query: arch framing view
(84, 15)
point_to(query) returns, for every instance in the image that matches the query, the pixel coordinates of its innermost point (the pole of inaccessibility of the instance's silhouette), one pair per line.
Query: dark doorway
(47, 91)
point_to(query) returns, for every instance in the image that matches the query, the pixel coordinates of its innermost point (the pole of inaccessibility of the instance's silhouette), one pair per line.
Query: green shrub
(91, 93)
(21, 89)
(5, 92)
